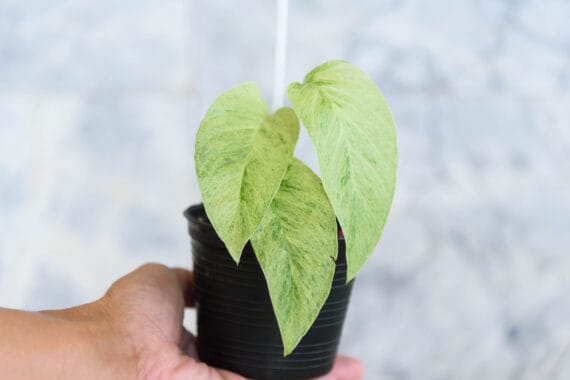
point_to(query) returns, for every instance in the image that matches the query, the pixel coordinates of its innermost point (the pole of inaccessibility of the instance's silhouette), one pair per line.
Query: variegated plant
(254, 189)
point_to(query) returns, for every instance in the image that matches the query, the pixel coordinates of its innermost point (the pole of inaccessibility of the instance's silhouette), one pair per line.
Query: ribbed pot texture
(237, 329)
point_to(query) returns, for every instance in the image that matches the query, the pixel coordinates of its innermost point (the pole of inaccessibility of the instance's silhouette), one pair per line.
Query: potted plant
(273, 269)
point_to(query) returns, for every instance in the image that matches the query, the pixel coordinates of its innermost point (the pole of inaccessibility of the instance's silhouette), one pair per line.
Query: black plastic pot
(237, 329)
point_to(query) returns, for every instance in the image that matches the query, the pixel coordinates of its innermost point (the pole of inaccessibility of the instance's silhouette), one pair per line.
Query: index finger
(186, 282)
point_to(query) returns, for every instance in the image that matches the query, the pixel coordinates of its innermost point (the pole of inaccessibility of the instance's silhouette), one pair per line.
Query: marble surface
(99, 104)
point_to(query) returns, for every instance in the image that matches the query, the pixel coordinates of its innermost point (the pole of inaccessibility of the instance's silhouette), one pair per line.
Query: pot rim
(196, 215)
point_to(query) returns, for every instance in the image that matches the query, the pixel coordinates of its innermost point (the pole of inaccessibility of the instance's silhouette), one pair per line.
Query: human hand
(143, 313)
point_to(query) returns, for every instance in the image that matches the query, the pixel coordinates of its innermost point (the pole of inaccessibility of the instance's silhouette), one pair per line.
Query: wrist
(90, 343)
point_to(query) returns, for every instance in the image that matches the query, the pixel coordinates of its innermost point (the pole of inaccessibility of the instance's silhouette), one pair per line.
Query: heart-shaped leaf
(296, 245)
(352, 129)
(241, 156)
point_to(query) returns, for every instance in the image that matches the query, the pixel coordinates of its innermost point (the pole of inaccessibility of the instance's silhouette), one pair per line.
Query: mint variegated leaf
(353, 132)
(296, 245)
(242, 153)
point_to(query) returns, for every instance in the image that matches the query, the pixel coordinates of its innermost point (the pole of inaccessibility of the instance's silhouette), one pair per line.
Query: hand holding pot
(153, 297)
(134, 332)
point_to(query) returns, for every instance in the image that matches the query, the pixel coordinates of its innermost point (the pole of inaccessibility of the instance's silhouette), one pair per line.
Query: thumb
(345, 368)
(192, 369)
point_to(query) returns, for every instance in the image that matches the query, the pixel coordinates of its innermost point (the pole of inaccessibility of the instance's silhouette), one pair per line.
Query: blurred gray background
(100, 101)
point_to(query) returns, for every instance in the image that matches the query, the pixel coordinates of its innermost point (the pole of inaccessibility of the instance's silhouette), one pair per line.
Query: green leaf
(352, 129)
(296, 245)
(241, 156)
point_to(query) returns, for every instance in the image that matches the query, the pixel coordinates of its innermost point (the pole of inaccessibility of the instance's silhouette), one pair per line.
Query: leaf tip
(290, 344)
(287, 351)
(235, 251)
(352, 268)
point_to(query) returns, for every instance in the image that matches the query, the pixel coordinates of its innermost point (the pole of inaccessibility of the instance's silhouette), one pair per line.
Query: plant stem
(280, 54)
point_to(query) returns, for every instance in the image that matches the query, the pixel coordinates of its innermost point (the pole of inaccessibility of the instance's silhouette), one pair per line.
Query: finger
(227, 375)
(150, 276)
(345, 368)
(186, 281)
(192, 369)
(188, 343)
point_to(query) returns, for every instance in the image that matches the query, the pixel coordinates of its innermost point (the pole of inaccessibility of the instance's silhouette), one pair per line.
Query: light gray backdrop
(100, 101)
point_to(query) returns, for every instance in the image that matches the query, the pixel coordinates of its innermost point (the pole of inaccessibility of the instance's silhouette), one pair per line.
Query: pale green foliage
(241, 155)
(352, 129)
(296, 245)
(253, 188)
